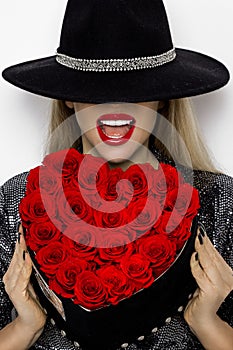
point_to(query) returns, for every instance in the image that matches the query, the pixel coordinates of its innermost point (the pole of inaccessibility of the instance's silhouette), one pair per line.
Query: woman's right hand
(31, 316)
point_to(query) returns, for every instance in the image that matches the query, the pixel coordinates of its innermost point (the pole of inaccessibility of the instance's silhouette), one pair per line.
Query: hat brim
(190, 74)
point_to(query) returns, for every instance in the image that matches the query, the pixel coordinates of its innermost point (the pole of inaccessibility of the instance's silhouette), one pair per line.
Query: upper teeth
(116, 122)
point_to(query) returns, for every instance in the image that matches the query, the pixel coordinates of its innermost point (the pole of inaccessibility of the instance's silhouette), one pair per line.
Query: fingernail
(19, 235)
(17, 226)
(196, 256)
(202, 232)
(200, 239)
(24, 254)
(24, 231)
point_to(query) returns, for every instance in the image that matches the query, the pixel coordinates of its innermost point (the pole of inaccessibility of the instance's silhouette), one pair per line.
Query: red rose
(64, 163)
(38, 207)
(169, 222)
(151, 177)
(135, 175)
(81, 241)
(32, 180)
(174, 178)
(114, 219)
(41, 177)
(90, 291)
(125, 192)
(160, 185)
(144, 213)
(166, 179)
(159, 250)
(116, 282)
(48, 181)
(116, 189)
(109, 193)
(93, 175)
(181, 233)
(115, 247)
(72, 207)
(66, 277)
(51, 257)
(136, 267)
(42, 234)
(185, 202)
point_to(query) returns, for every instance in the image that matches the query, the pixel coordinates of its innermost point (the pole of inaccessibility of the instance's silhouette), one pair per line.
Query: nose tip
(117, 107)
(115, 104)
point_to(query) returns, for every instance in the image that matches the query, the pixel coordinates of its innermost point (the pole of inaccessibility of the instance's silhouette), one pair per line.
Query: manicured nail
(19, 235)
(202, 232)
(17, 226)
(24, 254)
(24, 231)
(200, 239)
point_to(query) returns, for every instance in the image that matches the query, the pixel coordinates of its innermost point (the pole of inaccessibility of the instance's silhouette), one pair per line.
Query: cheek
(87, 125)
(91, 136)
(145, 128)
(140, 135)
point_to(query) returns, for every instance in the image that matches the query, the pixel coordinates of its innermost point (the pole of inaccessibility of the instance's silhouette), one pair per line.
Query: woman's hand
(31, 316)
(215, 281)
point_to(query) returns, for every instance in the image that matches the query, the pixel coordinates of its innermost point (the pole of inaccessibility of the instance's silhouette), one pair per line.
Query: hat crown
(98, 29)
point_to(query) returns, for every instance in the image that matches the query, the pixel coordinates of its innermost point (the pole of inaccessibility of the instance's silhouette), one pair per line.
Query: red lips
(115, 129)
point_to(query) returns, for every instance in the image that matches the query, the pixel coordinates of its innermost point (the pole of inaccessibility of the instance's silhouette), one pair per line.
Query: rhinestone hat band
(125, 64)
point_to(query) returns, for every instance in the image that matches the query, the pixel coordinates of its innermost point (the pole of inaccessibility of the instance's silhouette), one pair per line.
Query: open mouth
(115, 129)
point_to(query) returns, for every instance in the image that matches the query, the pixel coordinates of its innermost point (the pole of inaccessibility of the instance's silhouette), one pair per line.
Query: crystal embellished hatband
(124, 64)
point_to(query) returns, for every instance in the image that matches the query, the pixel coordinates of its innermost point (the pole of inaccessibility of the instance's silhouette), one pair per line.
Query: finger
(16, 264)
(22, 238)
(207, 260)
(20, 228)
(21, 295)
(32, 292)
(35, 297)
(224, 270)
(208, 244)
(199, 274)
(195, 295)
(16, 283)
(221, 263)
(19, 231)
(218, 271)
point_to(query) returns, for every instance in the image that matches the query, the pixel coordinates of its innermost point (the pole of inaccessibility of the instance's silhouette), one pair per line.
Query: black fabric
(108, 327)
(107, 29)
(117, 29)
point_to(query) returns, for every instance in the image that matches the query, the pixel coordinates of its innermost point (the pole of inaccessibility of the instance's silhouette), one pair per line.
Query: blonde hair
(179, 112)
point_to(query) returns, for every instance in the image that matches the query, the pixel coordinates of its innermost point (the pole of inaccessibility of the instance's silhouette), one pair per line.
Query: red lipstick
(115, 129)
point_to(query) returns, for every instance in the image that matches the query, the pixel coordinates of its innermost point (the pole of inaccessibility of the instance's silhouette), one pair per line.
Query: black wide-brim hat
(118, 51)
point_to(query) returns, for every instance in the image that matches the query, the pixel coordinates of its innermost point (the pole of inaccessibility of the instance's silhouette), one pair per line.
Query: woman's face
(115, 131)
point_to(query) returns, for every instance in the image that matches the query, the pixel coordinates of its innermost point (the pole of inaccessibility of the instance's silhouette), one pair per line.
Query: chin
(117, 160)
(117, 154)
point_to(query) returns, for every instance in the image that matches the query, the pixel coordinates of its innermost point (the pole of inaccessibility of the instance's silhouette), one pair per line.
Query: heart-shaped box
(133, 318)
(107, 278)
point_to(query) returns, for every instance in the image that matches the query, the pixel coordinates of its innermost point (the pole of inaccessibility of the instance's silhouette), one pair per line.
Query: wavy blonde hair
(179, 112)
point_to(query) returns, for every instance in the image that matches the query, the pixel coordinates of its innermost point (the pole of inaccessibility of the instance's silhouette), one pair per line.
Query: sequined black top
(216, 213)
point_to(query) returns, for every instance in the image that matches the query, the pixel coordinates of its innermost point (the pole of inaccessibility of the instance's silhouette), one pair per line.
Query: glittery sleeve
(10, 194)
(5, 304)
(216, 214)
(226, 309)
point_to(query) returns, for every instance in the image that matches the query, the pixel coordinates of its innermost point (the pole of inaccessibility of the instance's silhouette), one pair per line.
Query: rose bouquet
(100, 235)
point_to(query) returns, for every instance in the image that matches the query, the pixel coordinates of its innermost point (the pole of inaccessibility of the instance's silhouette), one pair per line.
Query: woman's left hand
(215, 281)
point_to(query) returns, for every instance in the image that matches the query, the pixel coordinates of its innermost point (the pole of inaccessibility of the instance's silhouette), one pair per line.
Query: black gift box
(114, 326)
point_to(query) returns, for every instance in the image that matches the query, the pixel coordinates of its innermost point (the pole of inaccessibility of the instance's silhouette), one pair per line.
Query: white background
(31, 29)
